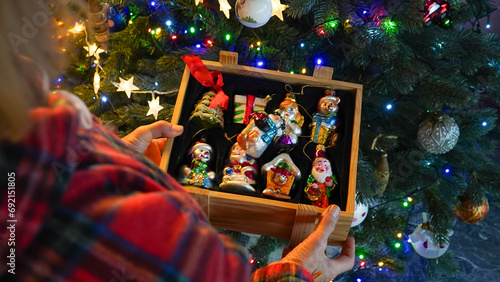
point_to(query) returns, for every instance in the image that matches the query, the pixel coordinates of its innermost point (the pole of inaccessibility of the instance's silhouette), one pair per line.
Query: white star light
(225, 7)
(126, 85)
(79, 27)
(93, 50)
(278, 9)
(154, 107)
(197, 2)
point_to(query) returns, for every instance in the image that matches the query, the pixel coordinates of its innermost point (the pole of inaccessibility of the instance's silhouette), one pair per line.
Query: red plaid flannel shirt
(89, 208)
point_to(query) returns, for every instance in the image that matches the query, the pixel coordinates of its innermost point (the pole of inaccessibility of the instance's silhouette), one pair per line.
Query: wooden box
(294, 219)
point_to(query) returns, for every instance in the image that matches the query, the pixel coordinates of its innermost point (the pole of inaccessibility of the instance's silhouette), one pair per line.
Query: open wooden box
(294, 219)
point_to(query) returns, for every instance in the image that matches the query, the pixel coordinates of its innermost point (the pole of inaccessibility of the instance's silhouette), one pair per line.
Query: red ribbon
(212, 79)
(249, 108)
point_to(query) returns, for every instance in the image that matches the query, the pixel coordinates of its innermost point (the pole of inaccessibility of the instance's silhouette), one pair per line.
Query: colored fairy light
(428, 163)
(365, 12)
(302, 45)
(484, 123)
(258, 43)
(292, 72)
(228, 37)
(304, 70)
(380, 269)
(198, 45)
(319, 62)
(252, 261)
(104, 99)
(405, 204)
(334, 24)
(381, 263)
(447, 22)
(359, 280)
(258, 48)
(361, 256)
(389, 26)
(130, 22)
(168, 22)
(400, 235)
(409, 240)
(59, 79)
(388, 106)
(153, 32)
(192, 29)
(153, 3)
(251, 46)
(210, 42)
(260, 63)
(363, 263)
(447, 170)
(174, 37)
(409, 199)
(488, 25)
(397, 245)
(149, 30)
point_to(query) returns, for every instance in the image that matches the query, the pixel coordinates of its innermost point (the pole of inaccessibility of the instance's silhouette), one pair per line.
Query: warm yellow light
(380, 264)
(258, 43)
(409, 199)
(400, 235)
(303, 70)
(158, 30)
(130, 22)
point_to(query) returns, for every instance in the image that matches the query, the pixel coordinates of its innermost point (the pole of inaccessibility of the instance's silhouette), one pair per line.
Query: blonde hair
(30, 57)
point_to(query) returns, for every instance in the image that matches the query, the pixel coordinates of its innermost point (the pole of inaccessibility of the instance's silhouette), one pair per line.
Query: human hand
(311, 253)
(143, 139)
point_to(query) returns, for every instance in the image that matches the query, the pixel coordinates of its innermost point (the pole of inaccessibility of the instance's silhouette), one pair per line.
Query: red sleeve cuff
(282, 272)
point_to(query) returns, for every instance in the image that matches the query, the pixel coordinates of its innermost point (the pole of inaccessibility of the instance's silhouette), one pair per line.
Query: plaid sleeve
(282, 272)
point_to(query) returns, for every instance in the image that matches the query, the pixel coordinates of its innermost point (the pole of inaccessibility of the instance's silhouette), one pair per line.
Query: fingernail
(177, 127)
(336, 211)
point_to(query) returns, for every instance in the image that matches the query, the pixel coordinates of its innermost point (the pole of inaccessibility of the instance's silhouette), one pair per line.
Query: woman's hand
(143, 139)
(311, 253)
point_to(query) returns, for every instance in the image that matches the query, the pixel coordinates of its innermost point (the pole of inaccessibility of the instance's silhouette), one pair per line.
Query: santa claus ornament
(321, 180)
(240, 173)
(259, 133)
(324, 122)
(198, 173)
(281, 174)
(423, 243)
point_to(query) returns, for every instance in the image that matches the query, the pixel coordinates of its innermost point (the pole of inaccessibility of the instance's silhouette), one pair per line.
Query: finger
(329, 219)
(160, 142)
(163, 128)
(345, 261)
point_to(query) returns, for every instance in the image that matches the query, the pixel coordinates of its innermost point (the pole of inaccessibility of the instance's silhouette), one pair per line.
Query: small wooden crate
(259, 215)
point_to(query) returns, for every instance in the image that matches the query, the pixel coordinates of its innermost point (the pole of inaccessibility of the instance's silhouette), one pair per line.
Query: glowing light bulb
(488, 25)
(484, 123)
(319, 62)
(447, 170)
(292, 72)
(304, 70)
(192, 29)
(153, 3)
(397, 245)
(210, 42)
(260, 63)
(409, 199)
(400, 235)
(388, 106)
(168, 22)
(381, 263)
(198, 45)
(363, 263)
(158, 30)
(361, 256)
(104, 99)
(228, 37)
(174, 37)
(258, 43)
(302, 45)
(405, 204)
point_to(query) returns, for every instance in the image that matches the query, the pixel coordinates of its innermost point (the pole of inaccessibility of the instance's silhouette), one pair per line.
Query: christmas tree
(430, 76)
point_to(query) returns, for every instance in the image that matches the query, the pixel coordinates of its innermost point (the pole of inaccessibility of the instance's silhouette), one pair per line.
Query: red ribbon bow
(212, 79)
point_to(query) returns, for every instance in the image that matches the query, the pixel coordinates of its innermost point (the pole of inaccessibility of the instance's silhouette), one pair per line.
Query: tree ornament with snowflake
(438, 134)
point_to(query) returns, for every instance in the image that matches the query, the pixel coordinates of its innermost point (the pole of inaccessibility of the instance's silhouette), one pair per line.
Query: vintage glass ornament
(205, 116)
(321, 180)
(423, 243)
(382, 173)
(253, 13)
(360, 213)
(468, 213)
(118, 18)
(281, 173)
(292, 122)
(438, 134)
(241, 171)
(198, 173)
(324, 122)
(259, 133)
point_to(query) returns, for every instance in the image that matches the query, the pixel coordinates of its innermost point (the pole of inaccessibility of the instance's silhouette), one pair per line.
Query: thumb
(329, 219)
(163, 128)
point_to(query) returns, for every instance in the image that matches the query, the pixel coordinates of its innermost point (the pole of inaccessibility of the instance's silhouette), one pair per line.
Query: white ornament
(126, 85)
(225, 7)
(278, 9)
(360, 212)
(154, 107)
(422, 242)
(253, 13)
(93, 50)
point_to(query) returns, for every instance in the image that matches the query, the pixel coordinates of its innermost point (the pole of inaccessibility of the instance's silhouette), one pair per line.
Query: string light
(359, 280)
(361, 256)
(319, 62)
(252, 261)
(397, 245)
(304, 71)
(409, 199)
(302, 45)
(428, 163)
(149, 30)
(388, 106)
(210, 42)
(168, 22)
(381, 263)
(484, 123)
(153, 3)
(292, 72)
(104, 99)
(258, 43)
(192, 29)
(400, 235)
(362, 263)
(447, 170)
(260, 63)
(174, 37)
(130, 22)
(228, 37)
(380, 269)
(405, 204)
(198, 45)
(258, 48)
(158, 30)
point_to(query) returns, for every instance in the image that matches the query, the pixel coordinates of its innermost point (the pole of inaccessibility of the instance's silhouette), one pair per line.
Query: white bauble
(360, 212)
(421, 240)
(253, 13)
